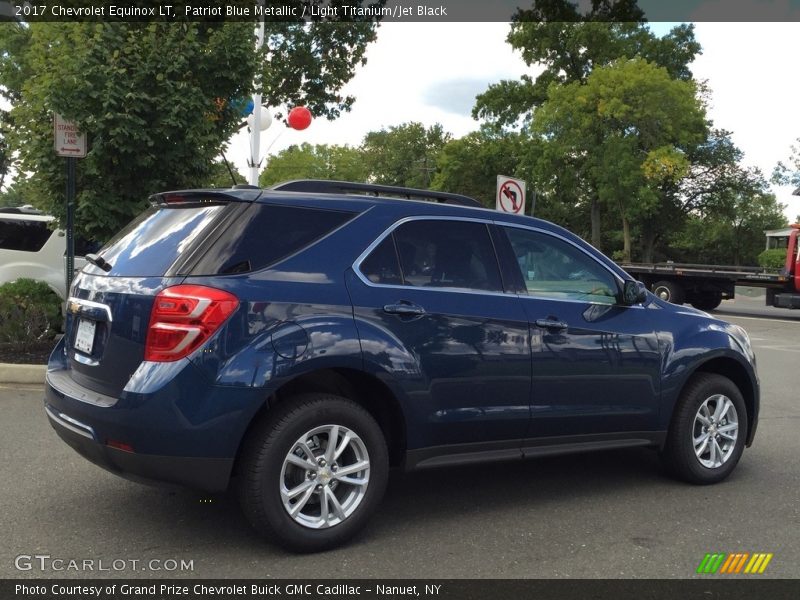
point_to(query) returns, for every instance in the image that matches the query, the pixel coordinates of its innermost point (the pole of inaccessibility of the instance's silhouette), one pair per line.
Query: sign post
(510, 195)
(70, 143)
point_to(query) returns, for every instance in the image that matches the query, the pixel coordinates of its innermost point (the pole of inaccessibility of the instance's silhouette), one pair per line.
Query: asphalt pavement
(611, 514)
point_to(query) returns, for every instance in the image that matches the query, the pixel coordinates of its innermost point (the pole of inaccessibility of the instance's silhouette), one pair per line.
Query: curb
(27, 374)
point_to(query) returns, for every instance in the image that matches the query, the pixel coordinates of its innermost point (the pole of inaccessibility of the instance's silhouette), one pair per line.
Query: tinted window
(27, 236)
(266, 234)
(554, 268)
(456, 254)
(381, 265)
(155, 239)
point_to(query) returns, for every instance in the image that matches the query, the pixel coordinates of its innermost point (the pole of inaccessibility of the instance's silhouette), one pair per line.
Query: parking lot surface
(611, 514)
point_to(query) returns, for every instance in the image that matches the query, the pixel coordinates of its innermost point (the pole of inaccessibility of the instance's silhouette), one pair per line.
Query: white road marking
(769, 319)
(778, 348)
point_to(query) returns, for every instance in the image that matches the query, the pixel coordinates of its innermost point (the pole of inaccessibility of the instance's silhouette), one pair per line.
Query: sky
(431, 72)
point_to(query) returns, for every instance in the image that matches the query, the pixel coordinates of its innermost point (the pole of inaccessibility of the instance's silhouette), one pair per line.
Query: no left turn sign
(510, 195)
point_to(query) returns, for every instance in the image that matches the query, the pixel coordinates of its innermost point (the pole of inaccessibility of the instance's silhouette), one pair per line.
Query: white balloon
(266, 119)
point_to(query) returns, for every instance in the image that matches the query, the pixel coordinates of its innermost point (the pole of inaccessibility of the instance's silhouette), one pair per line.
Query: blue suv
(295, 343)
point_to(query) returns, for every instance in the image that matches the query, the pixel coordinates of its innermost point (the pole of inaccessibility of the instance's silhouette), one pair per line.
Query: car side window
(450, 254)
(556, 269)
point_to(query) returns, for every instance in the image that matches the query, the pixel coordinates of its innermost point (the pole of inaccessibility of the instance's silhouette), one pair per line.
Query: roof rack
(323, 186)
(21, 210)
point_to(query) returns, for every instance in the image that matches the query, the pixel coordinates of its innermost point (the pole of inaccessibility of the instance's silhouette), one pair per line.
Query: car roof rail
(324, 186)
(26, 209)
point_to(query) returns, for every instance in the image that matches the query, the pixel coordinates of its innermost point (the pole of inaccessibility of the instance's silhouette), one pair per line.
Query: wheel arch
(367, 390)
(732, 369)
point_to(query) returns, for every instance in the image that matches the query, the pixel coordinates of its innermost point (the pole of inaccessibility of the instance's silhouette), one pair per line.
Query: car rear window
(25, 236)
(153, 241)
(266, 234)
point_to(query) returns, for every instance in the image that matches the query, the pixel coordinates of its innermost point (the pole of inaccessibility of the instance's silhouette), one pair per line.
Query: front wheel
(708, 431)
(313, 472)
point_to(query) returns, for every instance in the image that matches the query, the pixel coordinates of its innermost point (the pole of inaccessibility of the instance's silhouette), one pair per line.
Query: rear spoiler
(202, 196)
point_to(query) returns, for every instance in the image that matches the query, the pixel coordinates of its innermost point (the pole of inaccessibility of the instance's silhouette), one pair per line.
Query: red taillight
(183, 317)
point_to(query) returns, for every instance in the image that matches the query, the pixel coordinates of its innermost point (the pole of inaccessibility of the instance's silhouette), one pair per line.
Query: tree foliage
(570, 45)
(404, 155)
(321, 161)
(789, 174)
(617, 137)
(470, 165)
(731, 231)
(308, 64)
(157, 100)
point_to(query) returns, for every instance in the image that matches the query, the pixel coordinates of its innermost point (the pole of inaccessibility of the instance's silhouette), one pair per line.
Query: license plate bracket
(84, 336)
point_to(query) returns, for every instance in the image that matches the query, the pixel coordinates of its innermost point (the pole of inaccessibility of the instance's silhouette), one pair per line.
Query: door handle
(404, 308)
(551, 324)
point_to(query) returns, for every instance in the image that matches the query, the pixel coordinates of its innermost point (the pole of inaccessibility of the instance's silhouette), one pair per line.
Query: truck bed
(752, 276)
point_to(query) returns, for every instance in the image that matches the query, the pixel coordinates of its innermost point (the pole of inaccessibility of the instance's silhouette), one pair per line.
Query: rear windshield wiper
(99, 261)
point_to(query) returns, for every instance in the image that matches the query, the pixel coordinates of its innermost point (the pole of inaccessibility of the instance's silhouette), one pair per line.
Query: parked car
(297, 342)
(31, 248)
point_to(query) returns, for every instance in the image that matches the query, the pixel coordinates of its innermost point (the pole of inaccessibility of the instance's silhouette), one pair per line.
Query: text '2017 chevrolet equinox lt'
(299, 341)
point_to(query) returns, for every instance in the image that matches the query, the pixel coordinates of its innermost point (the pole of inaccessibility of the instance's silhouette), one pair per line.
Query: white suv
(30, 248)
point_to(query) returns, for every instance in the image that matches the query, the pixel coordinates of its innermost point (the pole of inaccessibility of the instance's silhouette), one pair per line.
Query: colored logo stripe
(758, 563)
(711, 562)
(722, 562)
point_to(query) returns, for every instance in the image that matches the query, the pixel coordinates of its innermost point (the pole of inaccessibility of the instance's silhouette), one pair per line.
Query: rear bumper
(209, 474)
(182, 429)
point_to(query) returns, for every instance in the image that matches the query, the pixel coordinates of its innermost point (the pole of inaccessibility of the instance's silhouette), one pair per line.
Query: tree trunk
(648, 246)
(626, 240)
(596, 224)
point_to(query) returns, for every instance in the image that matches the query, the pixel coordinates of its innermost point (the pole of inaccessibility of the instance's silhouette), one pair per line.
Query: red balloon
(299, 118)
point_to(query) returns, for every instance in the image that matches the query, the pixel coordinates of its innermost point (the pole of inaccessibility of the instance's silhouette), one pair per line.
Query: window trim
(389, 230)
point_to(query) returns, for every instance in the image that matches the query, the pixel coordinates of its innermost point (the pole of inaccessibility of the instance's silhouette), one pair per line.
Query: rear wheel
(313, 472)
(707, 301)
(669, 291)
(708, 430)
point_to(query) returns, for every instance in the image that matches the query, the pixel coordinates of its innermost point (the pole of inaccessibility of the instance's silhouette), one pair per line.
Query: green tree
(731, 230)
(220, 177)
(570, 46)
(12, 195)
(470, 165)
(309, 63)
(321, 161)
(155, 100)
(404, 154)
(789, 174)
(713, 177)
(618, 135)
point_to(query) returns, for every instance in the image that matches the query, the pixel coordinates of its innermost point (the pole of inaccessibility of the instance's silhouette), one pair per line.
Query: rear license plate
(84, 338)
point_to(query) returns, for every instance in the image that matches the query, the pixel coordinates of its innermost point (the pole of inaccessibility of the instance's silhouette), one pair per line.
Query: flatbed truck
(705, 286)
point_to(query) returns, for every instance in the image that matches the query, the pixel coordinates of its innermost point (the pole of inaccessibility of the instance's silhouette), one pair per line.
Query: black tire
(707, 301)
(261, 470)
(669, 291)
(679, 451)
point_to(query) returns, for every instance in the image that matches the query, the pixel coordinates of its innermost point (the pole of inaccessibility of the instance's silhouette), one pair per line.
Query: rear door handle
(551, 324)
(404, 308)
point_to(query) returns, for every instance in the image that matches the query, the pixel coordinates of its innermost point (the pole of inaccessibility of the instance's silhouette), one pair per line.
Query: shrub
(30, 312)
(772, 259)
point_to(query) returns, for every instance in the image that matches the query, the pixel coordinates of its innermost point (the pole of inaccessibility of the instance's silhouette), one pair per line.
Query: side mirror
(633, 292)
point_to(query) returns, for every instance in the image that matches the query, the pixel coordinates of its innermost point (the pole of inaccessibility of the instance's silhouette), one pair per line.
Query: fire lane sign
(510, 195)
(68, 140)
